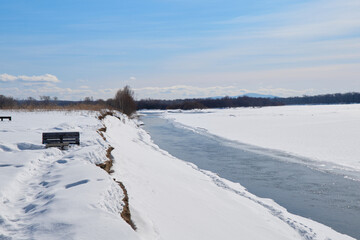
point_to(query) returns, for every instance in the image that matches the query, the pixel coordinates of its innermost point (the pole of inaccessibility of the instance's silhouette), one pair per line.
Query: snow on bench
(5, 117)
(60, 139)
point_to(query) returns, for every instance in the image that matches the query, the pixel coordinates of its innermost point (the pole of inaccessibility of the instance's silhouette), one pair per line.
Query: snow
(54, 194)
(323, 133)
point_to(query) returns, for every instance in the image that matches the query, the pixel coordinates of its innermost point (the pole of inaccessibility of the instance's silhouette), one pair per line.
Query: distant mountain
(257, 95)
(254, 95)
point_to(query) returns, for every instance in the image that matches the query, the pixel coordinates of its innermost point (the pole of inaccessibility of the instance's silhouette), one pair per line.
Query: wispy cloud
(322, 18)
(295, 46)
(313, 45)
(317, 31)
(46, 78)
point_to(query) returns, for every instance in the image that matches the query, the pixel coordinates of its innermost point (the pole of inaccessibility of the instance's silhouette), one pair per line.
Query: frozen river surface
(328, 197)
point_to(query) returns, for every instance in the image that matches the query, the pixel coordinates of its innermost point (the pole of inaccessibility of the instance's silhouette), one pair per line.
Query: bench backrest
(61, 137)
(5, 117)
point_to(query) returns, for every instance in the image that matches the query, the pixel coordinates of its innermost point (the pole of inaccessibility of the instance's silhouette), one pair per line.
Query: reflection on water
(304, 189)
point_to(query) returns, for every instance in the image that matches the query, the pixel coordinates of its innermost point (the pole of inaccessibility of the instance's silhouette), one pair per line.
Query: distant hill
(252, 95)
(257, 95)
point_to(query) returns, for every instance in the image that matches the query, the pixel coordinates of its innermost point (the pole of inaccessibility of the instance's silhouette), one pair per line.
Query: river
(325, 196)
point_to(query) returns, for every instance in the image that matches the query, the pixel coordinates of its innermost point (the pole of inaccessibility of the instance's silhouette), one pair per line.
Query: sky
(168, 49)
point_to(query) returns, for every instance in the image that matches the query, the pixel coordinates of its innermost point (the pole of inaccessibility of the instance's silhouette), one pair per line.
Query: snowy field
(54, 194)
(325, 133)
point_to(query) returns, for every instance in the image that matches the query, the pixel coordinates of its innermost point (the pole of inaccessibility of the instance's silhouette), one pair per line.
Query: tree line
(336, 98)
(245, 101)
(201, 103)
(123, 101)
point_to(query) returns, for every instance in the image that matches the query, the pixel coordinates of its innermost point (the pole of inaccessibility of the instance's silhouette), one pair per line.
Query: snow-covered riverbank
(53, 194)
(326, 133)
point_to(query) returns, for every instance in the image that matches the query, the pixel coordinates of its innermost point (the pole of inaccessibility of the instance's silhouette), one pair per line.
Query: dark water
(318, 193)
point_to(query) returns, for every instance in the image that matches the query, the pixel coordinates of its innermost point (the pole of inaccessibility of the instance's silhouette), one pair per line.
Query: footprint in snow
(49, 184)
(5, 165)
(76, 183)
(29, 146)
(5, 148)
(61, 161)
(29, 208)
(10, 165)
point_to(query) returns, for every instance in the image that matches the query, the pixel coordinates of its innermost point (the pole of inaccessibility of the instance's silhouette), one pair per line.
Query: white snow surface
(54, 194)
(323, 133)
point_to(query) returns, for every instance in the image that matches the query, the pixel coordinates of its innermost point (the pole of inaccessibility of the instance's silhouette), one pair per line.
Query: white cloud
(46, 78)
(41, 78)
(29, 84)
(84, 87)
(7, 78)
(10, 92)
(110, 91)
(132, 78)
(63, 93)
(282, 92)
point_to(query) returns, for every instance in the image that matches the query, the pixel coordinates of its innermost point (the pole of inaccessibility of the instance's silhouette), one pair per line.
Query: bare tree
(45, 98)
(124, 101)
(6, 102)
(88, 100)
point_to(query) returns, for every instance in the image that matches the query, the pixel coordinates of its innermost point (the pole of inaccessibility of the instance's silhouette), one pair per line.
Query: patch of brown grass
(108, 153)
(102, 135)
(105, 113)
(100, 132)
(54, 107)
(125, 214)
(103, 129)
(107, 165)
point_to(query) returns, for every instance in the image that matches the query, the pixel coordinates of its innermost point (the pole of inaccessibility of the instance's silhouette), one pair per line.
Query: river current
(328, 197)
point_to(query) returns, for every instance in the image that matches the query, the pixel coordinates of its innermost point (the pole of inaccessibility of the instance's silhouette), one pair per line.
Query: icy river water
(328, 197)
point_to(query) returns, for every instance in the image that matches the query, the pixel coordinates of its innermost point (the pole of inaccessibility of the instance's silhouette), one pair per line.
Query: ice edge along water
(50, 194)
(323, 134)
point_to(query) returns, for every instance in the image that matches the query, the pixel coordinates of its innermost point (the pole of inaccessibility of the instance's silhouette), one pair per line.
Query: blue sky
(177, 49)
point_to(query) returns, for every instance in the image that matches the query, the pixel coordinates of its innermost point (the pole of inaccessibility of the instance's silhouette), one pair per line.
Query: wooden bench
(60, 139)
(5, 117)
